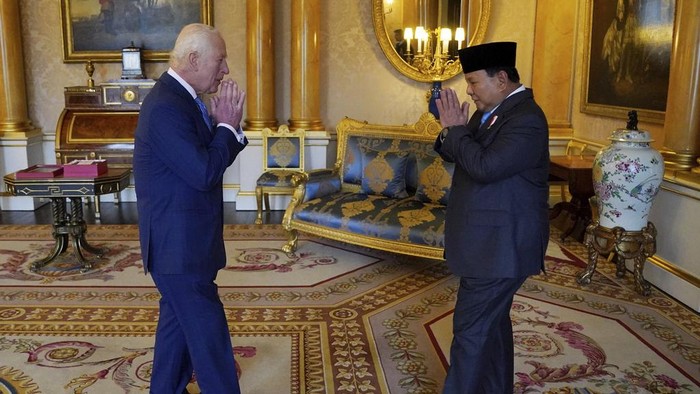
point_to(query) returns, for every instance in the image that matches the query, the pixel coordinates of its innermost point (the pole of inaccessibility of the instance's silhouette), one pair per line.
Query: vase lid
(626, 135)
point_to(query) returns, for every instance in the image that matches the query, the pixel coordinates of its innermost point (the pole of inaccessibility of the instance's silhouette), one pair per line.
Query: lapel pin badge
(493, 120)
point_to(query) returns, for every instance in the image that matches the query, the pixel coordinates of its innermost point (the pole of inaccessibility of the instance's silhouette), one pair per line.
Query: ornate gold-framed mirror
(428, 34)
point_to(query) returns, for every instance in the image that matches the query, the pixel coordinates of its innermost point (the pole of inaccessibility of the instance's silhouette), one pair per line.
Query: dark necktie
(205, 113)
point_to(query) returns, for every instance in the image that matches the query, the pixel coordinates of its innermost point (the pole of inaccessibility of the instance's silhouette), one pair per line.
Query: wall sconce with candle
(388, 8)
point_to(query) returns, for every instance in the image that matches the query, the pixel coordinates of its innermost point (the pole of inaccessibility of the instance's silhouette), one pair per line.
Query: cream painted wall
(356, 78)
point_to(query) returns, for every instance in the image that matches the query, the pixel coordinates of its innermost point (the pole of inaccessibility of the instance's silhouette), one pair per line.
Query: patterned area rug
(333, 318)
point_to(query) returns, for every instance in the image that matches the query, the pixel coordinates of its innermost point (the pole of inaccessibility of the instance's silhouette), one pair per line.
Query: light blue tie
(484, 117)
(205, 113)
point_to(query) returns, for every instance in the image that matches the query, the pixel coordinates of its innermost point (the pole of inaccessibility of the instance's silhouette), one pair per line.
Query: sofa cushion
(384, 173)
(434, 179)
(276, 178)
(402, 220)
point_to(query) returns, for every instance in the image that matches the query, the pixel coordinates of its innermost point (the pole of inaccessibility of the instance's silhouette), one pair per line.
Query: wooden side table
(578, 170)
(68, 226)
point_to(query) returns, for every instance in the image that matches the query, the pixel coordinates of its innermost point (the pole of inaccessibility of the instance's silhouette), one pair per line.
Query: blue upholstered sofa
(388, 190)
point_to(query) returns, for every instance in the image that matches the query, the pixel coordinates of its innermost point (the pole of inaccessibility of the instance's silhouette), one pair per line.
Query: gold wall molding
(675, 270)
(678, 161)
(685, 179)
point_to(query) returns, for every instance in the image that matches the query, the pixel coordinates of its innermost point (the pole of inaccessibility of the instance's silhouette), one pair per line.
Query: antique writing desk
(69, 225)
(98, 122)
(578, 170)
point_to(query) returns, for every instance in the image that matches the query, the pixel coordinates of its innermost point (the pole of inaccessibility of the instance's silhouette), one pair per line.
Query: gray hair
(195, 37)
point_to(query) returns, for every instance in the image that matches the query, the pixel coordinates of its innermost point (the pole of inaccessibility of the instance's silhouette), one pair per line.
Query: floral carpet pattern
(331, 318)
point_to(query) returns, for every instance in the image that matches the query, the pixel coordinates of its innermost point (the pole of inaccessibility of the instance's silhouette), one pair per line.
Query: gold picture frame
(626, 61)
(98, 30)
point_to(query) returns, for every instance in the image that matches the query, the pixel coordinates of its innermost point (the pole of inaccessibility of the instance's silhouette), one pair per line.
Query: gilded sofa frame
(425, 129)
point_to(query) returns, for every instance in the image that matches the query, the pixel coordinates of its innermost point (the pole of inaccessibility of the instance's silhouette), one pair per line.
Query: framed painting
(97, 30)
(627, 58)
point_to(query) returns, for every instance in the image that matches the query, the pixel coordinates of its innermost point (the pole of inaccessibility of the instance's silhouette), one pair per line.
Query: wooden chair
(573, 148)
(283, 157)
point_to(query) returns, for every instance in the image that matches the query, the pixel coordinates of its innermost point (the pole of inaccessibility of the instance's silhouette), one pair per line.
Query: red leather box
(84, 168)
(41, 171)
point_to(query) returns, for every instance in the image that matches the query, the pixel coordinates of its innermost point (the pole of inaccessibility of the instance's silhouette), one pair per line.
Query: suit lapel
(203, 130)
(494, 122)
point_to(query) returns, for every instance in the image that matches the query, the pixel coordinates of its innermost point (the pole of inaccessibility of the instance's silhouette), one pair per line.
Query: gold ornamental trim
(687, 179)
(415, 73)
(431, 252)
(675, 270)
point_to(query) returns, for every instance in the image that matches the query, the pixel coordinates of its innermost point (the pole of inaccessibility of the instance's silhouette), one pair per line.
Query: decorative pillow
(384, 173)
(434, 180)
(352, 162)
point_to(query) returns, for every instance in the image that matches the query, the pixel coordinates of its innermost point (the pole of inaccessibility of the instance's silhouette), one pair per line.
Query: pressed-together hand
(452, 113)
(227, 106)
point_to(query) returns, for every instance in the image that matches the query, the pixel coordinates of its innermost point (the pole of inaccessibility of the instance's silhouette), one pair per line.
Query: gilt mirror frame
(414, 73)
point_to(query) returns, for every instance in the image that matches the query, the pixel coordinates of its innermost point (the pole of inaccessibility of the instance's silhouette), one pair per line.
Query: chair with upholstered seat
(283, 157)
(573, 148)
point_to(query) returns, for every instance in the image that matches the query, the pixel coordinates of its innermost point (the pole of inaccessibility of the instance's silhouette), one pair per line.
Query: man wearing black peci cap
(497, 229)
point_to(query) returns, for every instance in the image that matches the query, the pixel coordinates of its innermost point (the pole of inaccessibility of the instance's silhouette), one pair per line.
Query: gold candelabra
(435, 52)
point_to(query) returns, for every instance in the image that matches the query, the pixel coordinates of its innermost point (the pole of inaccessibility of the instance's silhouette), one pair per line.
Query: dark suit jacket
(497, 216)
(178, 172)
(401, 48)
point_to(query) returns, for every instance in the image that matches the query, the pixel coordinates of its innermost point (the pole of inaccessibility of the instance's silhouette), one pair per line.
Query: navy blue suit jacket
(178, 173)
(497, 217)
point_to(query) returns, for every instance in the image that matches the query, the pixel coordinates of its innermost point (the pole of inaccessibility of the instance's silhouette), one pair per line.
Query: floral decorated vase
(626, 178)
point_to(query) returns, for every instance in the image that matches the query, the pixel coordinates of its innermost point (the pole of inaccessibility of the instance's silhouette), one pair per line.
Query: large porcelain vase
(626, 178)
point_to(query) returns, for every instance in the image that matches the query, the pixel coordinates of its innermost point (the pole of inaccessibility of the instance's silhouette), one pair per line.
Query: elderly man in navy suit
(497, 230)
(180, 155)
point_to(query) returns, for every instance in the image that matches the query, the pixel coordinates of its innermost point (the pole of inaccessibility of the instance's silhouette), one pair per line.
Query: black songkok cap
(493, 54)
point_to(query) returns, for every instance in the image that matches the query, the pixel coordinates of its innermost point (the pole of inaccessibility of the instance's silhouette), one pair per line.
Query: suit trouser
(192, 334)
(481, 354)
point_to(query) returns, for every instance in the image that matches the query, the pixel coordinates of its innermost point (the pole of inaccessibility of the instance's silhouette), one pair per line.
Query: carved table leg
(78, 231)
(60, 233)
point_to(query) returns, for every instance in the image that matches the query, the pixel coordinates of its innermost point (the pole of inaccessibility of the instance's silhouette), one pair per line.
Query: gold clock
(129, 95)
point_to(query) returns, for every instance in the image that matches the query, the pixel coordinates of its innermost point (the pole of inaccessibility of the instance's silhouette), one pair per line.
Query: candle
(408, 35)
(420, 34)
(445, 36)
(459, 36)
